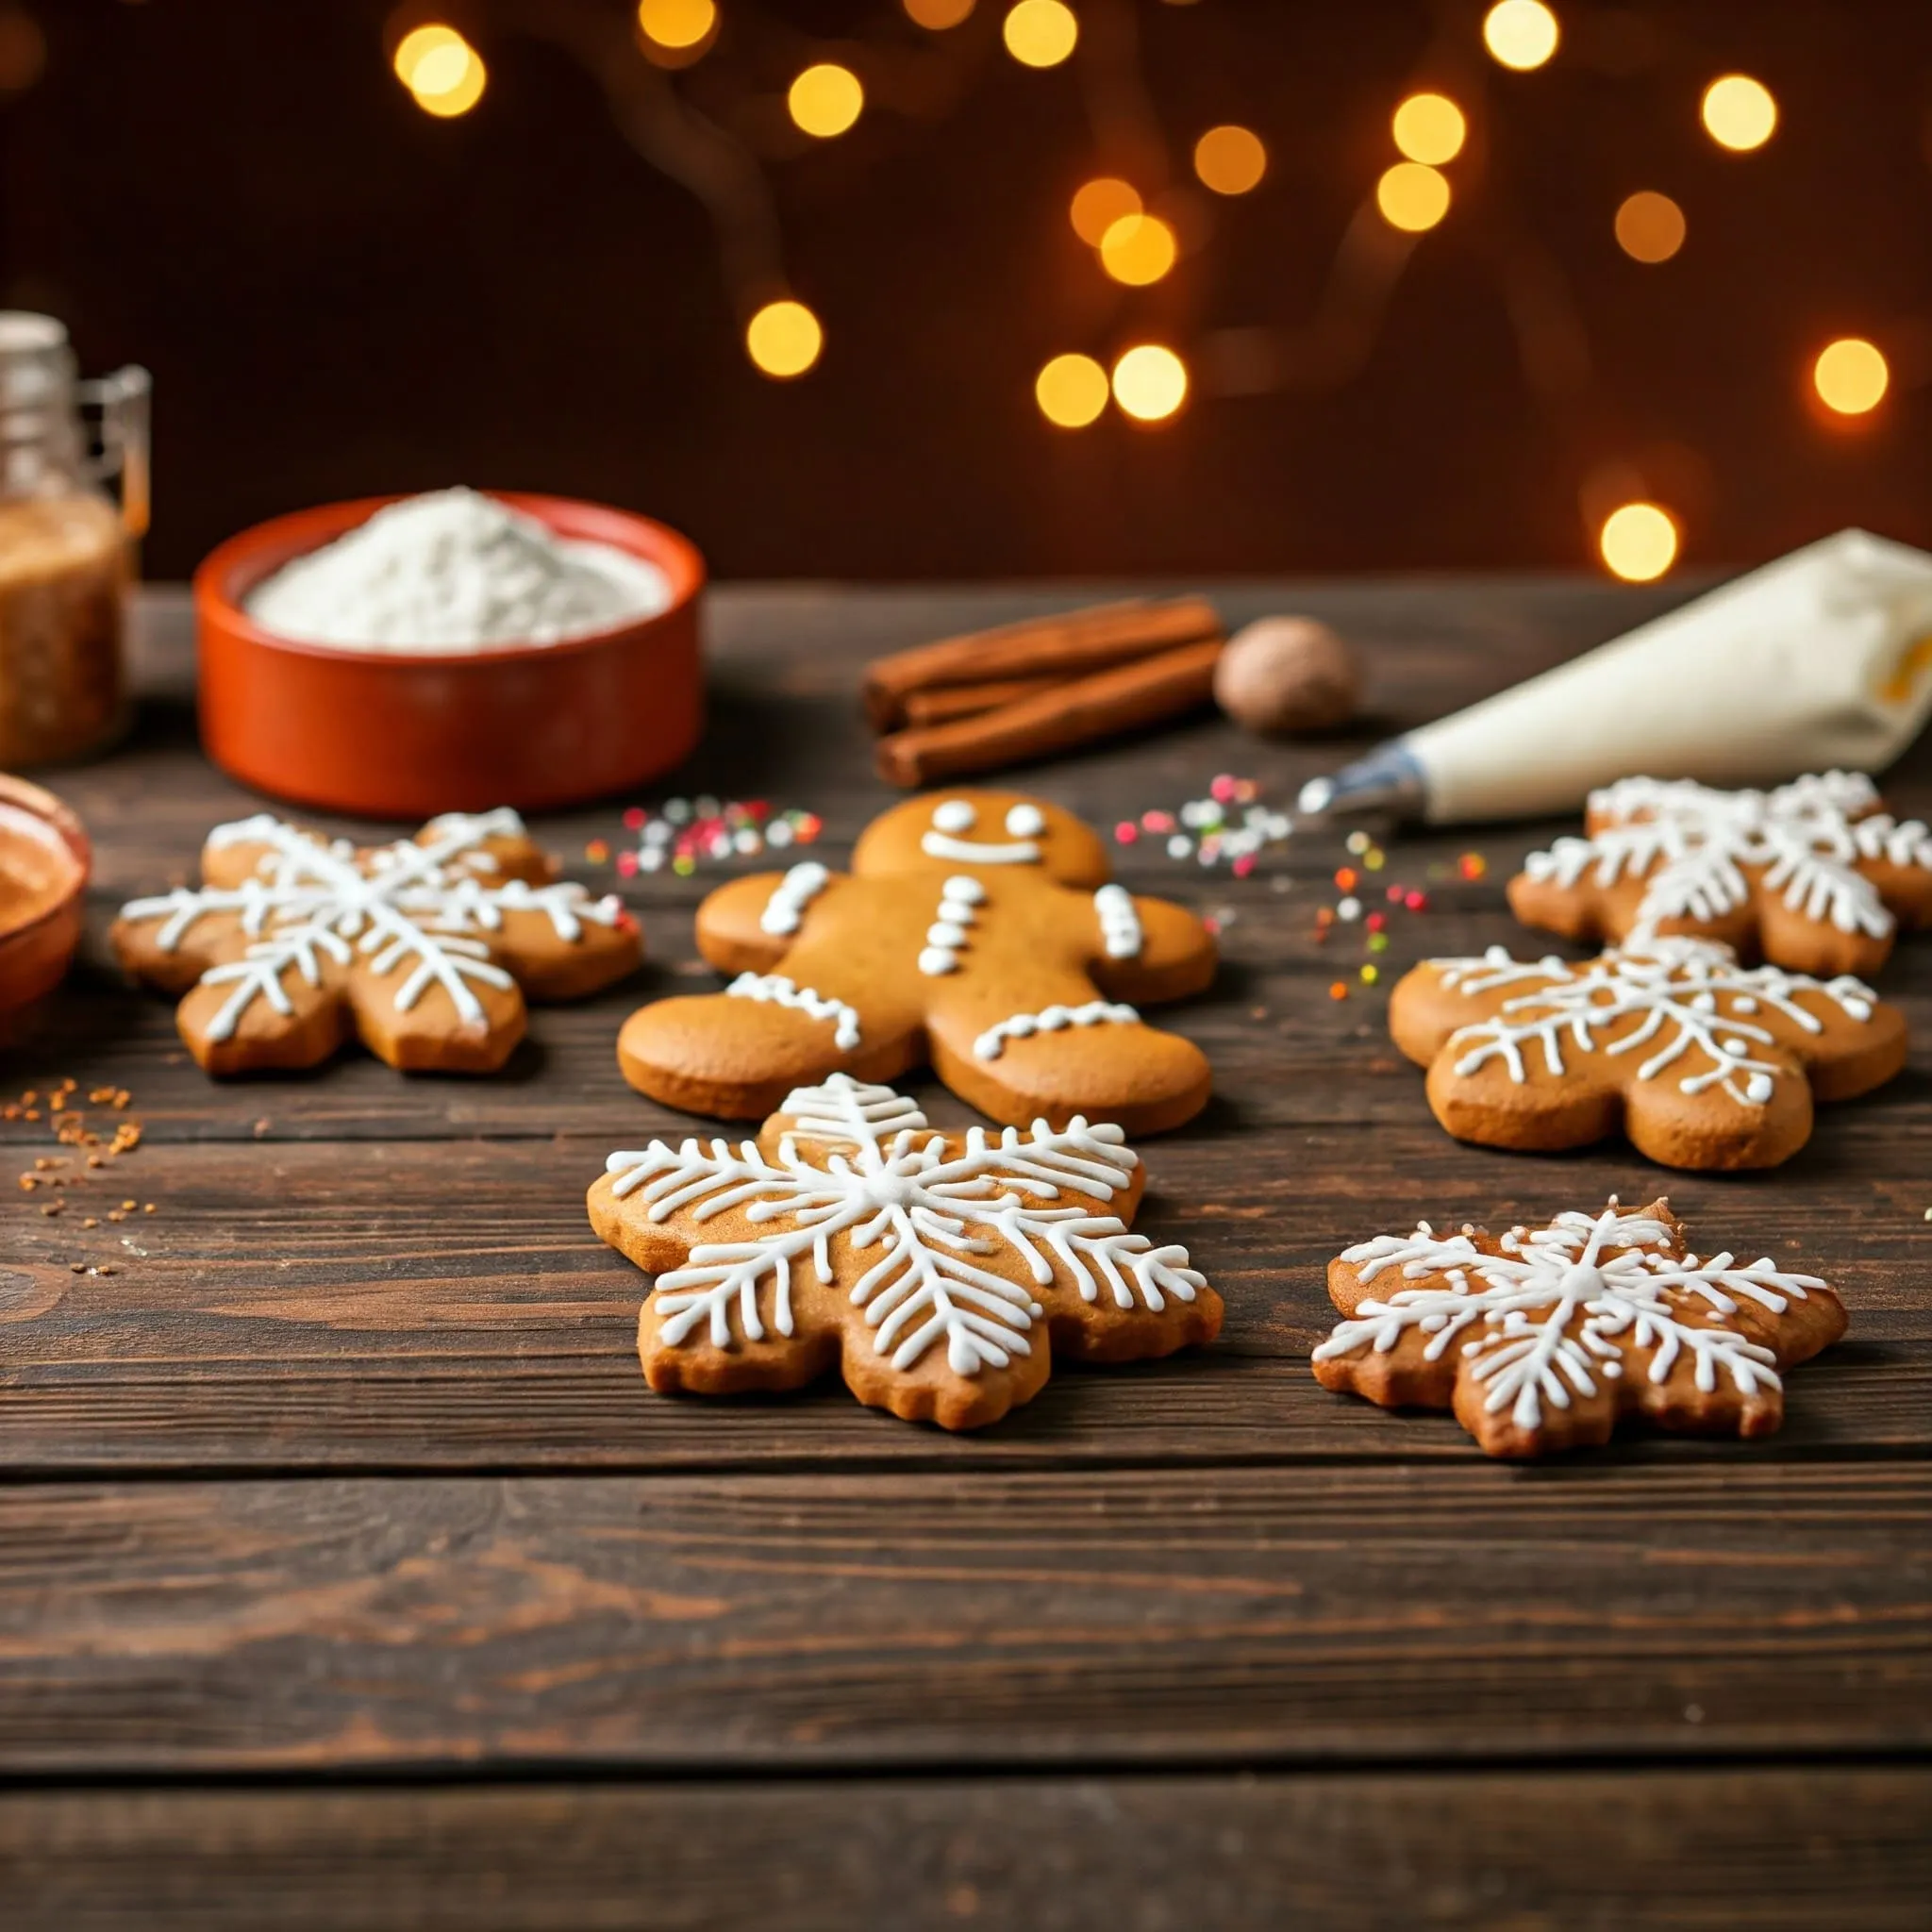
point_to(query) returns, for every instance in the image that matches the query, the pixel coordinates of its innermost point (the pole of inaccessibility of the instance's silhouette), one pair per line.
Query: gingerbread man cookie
(1541, 1340)
(975, 930)
(1702, 1063)
(424, 948)
(1813, 875)
(938, 1270)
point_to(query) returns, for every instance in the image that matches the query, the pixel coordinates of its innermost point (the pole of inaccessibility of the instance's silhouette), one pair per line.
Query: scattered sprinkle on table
(1230, 826)
(684, 833)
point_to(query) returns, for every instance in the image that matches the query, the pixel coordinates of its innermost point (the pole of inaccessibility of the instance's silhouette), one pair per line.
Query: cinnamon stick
(1069, 644)
(949, 701)
(1122, 698)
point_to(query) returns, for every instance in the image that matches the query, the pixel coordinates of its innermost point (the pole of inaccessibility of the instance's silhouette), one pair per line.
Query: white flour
(455, 570)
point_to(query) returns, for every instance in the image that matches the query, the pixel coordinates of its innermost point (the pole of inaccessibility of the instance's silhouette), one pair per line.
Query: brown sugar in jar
(64, 576)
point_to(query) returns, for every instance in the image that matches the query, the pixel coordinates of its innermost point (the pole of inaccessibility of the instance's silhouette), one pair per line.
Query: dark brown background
(338, 295)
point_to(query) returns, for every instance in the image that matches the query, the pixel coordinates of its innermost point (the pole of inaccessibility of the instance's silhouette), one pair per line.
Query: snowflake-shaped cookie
(1703, 1062)
(934, 1268)
(1813, 874)
(1541, 1341)
(424, 948)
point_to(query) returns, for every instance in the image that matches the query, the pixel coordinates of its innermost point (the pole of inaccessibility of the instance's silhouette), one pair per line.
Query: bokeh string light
(1040, 33)
(716, 150)
(1639, 541)
(1150, 382)
(825, 100)
(1851, 376)
(1521, 34)
(1649, 227)
(1072, 391)
(784, 337)
(1739, 113)
(1412, 197)
(1230, 159)
(1429, 129)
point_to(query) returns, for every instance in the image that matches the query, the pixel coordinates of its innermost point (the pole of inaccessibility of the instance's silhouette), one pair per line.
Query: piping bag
(1821, 659)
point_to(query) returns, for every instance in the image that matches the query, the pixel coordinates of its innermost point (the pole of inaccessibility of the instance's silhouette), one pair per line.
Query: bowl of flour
(447, 652)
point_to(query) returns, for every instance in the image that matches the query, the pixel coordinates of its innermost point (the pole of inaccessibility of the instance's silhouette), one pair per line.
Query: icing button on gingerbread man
(979, 931)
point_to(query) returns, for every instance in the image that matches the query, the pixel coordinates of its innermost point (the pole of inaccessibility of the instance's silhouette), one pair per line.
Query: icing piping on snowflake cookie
(1668, 982)
(400, 903)
(780, 992)
(993, 1042)
(861, 1164)
(1554, 1321)
(1690, 844)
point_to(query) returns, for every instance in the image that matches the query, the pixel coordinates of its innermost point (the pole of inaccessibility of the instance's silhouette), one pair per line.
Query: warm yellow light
(1412, 197)
(1230, 159)
(1098, 204)
(938, 14)
(1070, 391)
(442, 69)
(1850, 375)
(1639, 541)
(784, 339)
(676, 24)
(1739, 113)
(1430, 127)
(1650, 226)
(1150, 382)
(824, 100)
(1040, 33)
(1521, 33)
(417, 45)
(1138, 249)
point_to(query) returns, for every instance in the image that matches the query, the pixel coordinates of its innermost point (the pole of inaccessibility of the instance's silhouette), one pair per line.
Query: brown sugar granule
(115, 1214)
(122, 1098)
(28, 1183)
(32, 1113)
(91, 1222)
(106, 1268)
(147, 1207)
(76, 1266)
(128, 1206)
(99, 1096)
(94, 1161)
(52, 1207)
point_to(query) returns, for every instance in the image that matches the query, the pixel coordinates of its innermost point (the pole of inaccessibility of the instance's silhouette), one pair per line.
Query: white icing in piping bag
(1822, 658)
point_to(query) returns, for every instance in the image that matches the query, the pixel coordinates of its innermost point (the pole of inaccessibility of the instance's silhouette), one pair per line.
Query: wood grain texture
(1702, 1850)
(348, 1470)
(1242, 1616)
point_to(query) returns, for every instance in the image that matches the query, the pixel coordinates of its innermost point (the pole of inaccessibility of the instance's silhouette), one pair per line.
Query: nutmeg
(1283, 675)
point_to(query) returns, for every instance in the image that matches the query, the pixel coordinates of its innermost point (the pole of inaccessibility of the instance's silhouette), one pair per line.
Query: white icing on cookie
(993, 1042)
(785, 909)
(1120, 924)
(1025, 821)
(946, 937)
(780, 992)
(1667, 989)
(955, 815)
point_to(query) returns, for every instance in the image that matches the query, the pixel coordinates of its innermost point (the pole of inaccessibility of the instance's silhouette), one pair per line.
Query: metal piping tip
(1389, 780)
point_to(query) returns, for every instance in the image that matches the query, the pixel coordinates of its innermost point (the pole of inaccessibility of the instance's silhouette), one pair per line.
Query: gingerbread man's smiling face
(944, 831)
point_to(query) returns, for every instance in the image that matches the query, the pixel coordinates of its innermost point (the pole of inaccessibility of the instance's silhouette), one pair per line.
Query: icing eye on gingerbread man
(951, 818)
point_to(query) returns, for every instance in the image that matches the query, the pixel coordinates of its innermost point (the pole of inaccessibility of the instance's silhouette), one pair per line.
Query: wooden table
(349, 1574)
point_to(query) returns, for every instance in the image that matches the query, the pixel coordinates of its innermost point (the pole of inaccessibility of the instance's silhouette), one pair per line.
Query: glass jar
(66, 547)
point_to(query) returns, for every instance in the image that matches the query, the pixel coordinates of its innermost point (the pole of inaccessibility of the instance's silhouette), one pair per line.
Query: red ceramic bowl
(405, 734)
(50, 860)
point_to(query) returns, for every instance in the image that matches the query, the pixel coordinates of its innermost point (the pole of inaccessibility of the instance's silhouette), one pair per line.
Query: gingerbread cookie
(936, 1269)
(1701, 1062)
(975, 930)
(1541, 1340)
(424, 948)
(1813, 875)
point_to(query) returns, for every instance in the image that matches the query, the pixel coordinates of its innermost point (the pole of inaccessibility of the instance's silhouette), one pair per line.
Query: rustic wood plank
(443, 1304)
(1686, 1851)
(1284, 1617)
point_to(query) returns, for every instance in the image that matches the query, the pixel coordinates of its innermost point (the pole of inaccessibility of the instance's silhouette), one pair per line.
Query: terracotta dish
(402, 734)
(45, 861)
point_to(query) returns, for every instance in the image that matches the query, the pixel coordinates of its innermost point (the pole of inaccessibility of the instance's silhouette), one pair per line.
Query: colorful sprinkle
(1348, 909)
(1339, 991)
(1375, 921)
(1416, 902)
(1358, 843)
(1472, 865)
(1125, 832)
(1370, 975)
(1378, 942)
(1345, 879)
